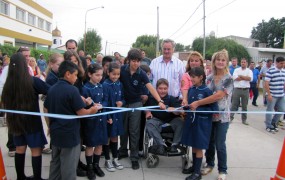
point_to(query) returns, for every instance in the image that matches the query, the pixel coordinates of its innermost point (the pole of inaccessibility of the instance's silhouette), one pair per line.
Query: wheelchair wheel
(152, 161)
(145, 145)
(184, 159)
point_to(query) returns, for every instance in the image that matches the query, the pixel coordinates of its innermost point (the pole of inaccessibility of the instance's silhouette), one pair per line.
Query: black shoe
(275, 127)
(98, 170)
(90, 172)
(190, 170)
(194, 176)
(80, 172)
(173, 149)
(254, 104)
(121, 156)
(82, 165)
(135, 165)
(161, 150)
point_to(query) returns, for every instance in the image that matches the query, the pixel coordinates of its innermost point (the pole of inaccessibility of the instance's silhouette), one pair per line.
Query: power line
(118, 44)
(187, 19)
(216, 10)
(221, 7)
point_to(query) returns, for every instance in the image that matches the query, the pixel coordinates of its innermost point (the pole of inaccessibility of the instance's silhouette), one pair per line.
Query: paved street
(253, 154)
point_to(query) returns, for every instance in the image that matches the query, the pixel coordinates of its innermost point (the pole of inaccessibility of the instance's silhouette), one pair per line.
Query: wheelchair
(167, 133)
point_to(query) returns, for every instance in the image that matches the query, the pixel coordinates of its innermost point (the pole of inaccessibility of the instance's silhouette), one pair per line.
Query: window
(4, 8)
(31, 19)
(48, 26)
(21, 14)
(54, 41)
(40, 23)
(8, 43)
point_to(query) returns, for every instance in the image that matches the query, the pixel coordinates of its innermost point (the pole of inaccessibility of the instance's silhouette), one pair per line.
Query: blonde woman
(35, 68)
(221, 83)
(195, 59)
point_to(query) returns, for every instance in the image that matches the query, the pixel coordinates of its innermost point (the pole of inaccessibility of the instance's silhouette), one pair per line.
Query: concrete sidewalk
(253, 154)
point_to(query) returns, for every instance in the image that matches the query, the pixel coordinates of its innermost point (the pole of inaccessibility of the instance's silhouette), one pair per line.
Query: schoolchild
(197, 128)
(21, 92)
(52, 69)
(113, 94)
(64, 98)
(105, 64)
(71, 55)
(133, 79)
(94, 129)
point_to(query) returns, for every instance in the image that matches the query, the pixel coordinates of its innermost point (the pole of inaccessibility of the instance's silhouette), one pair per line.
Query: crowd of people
(74, 84)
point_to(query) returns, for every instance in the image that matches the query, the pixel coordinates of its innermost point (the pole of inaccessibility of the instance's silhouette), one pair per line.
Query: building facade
(25, 23)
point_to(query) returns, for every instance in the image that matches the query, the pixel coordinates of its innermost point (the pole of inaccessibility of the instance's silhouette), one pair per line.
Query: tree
(181, 48)
(93, 43)
(271, 32)
(148, 44)
(216, 44)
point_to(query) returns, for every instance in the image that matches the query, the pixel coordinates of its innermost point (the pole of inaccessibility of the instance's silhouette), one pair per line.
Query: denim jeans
(218, 142)
(278, 103)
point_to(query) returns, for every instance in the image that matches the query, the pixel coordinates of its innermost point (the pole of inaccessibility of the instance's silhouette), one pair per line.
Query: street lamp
(85, 23)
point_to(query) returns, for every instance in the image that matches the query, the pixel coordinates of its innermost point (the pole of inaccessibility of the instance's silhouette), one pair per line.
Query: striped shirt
(172, 71)
(276, 78)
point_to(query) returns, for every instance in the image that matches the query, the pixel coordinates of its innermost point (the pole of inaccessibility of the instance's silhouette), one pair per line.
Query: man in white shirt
(242, 77)
(169, 67)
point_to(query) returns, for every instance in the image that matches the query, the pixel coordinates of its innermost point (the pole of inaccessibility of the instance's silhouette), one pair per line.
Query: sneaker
(275, 127)
(272, 130)
(245, 123)
(98, 171)
(206, 170)
(280, 123)
(109, 166)
(117, 164)
(46, 151)
(12, 152)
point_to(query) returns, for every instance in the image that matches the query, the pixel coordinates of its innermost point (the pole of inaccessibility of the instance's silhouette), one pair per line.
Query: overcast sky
(122, 21)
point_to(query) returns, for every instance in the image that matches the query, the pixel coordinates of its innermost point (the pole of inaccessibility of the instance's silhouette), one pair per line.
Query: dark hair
(198, 71)
(134, 54)
(70, 41)
(18, 93)
(162, 81)
(280, 59)
(67, 57)
(106, 59)
(23, 48)
(66, 66)
(145, 68)
(112, 66)
(92, 68)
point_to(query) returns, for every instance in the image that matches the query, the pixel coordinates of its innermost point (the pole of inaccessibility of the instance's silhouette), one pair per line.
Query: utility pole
(157, 40)
(106, 47)
(204, 29)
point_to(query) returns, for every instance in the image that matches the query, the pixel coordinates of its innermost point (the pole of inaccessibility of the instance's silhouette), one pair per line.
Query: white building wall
(4, 38)
(11, 23)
